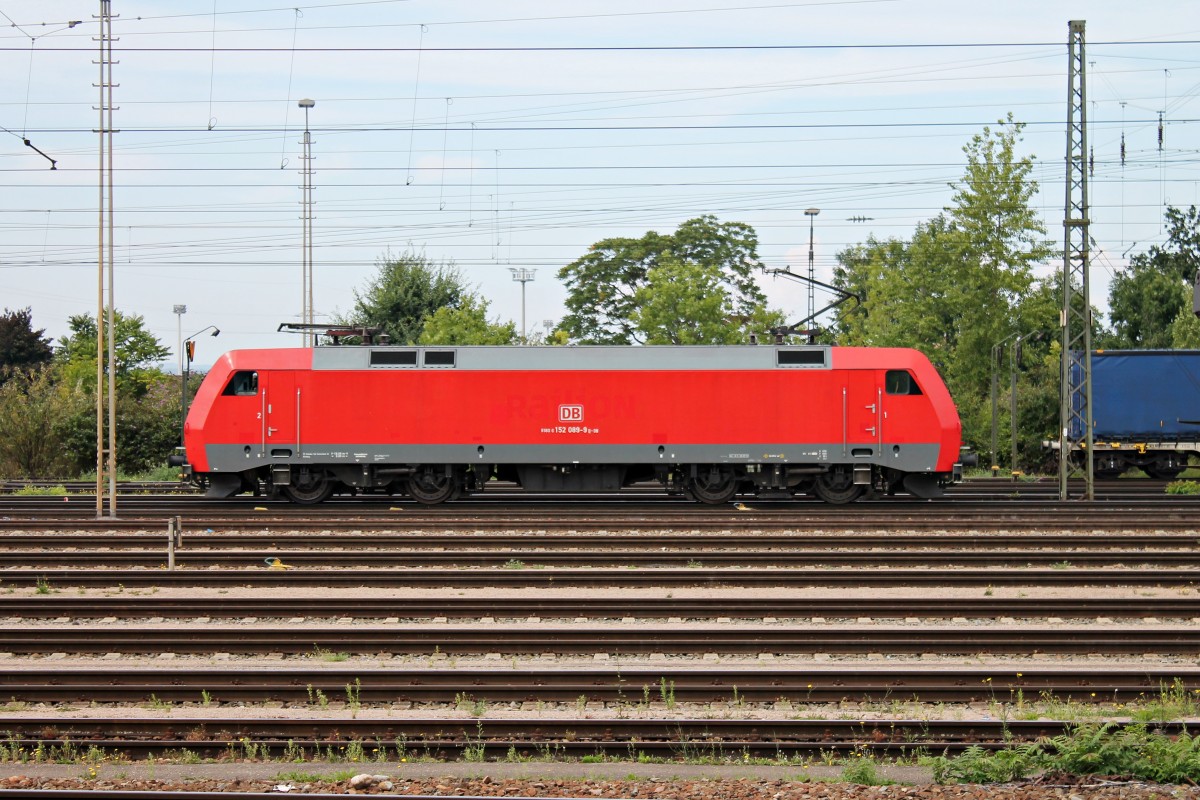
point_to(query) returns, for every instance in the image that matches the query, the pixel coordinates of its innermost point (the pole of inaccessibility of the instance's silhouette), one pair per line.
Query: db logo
(570, 413)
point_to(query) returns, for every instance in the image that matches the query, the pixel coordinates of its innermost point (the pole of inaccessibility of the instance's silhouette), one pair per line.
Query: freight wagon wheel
(309, 487)
(713, 486)
(837, 486)
(1163, 473)
(432, 486)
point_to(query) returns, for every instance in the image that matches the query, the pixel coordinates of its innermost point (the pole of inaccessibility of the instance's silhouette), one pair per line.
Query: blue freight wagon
(1145, 411)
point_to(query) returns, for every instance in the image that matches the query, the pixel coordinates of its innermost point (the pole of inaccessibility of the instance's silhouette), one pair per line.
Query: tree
(466, 324)
(33, 411)
(686, 303)
(907, 289)
(21, 347)
(1150, 304)
(1000, 237)
(147, 400)
(607, 287)
(957, 287)
(136, 352)
(407, 290)
(683, 304)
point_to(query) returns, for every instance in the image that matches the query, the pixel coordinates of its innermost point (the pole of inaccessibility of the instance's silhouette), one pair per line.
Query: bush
(147, 427)
(1132, 751)
(32, 409)
(977, 765)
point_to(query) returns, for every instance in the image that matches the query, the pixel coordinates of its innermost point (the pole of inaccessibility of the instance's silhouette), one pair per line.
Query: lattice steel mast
(307, 317)
(1076, 381)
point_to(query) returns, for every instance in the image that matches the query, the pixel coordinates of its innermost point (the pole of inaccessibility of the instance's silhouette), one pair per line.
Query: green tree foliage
(21, 347)
(1150, 304)
(406, 290)
(608, 289)
(998, 239)
(686, 303)
(908, 289)
(147, 403)
(147, 426)
(33, 410)
(961, 283)
(136, 352)
(466, 324)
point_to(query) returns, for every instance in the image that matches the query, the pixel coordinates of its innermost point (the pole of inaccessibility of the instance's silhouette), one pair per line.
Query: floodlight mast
(524, 275)
(811, 213)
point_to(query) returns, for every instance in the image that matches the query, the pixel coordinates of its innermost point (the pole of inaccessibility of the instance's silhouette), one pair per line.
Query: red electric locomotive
(708, 422)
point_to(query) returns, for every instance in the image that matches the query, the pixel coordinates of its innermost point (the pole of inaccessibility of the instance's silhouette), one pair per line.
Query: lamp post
(1015, 364)
(179, 312)
(811, 213)
(996, 348)
(524, 276)
(306, 203)
(189, 346)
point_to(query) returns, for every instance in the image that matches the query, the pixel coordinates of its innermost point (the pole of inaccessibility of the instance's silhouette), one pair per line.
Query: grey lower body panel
(901, 457)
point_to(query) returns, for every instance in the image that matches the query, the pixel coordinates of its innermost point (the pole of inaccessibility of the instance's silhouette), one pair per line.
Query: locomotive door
(278, 412)
(863, 434)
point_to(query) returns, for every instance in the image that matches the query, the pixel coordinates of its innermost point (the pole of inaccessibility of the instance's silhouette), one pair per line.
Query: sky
(503, 136)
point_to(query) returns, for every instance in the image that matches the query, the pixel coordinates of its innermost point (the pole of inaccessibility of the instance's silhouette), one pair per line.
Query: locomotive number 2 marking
(570, 413)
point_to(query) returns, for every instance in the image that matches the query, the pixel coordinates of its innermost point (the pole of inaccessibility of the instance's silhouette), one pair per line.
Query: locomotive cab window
(898, 381)
(244, 383)
(439, 358)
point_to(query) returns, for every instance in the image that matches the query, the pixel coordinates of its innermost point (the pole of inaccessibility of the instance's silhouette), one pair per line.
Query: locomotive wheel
(837, 486)
(432, 486)
(308, 488)
(713, 486)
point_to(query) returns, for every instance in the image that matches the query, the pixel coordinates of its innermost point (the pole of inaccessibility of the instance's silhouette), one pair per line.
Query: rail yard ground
(642, 651)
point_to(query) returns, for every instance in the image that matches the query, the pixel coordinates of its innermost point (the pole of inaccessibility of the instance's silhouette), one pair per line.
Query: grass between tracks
(1131, 751)
(1134, 749)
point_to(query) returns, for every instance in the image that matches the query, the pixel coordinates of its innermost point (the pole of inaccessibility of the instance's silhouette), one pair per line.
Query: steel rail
(551, 522)
(589, 640)
(634, 506)
(260, 576)
(602, 607)
(536, 557)
(246, 536)
(632, 686)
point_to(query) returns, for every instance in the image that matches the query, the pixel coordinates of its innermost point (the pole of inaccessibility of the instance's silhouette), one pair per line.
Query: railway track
(1162, 513)
(258, 575)
(388, 538)
(518, 558)
(636, 688)
(593, 608)
(440, 737)
(1002, 485)
(653, 543)
(608, 640)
